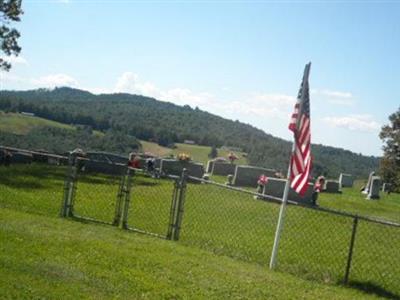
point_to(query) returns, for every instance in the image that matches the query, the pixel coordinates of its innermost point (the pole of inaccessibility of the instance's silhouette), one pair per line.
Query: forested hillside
(166, 123)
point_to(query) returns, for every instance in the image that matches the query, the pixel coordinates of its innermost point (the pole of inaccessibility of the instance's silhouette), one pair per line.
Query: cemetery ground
(197, 153)
(223, 251)
(43, 257)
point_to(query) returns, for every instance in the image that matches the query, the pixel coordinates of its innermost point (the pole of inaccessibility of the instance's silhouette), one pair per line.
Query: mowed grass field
(44, 257)
(226, 223)
(197, 153)
(352, 200)
(22, 124)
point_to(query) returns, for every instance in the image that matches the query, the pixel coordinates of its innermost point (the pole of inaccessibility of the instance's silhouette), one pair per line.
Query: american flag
(300, 163)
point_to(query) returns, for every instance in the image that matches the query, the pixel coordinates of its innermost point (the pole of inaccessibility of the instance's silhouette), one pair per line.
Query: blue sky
(238, 59)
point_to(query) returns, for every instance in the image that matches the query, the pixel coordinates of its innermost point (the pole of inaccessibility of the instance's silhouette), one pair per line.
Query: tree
(213, 153)
(10, 11)
(390, 163)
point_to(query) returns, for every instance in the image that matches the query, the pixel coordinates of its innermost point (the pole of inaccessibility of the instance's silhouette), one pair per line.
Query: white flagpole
(279, 226)
(282, 210)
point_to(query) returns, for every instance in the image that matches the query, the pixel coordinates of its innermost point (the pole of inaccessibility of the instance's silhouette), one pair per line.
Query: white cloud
(54, 80)
(130, 82)
(354, 122)
(15, 60)
(335, 97)
(261, 105)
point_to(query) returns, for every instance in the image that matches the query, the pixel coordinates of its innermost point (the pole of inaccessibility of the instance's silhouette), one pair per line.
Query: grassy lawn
(21, 124)
(155, 149)
(49, 258)
(198, 153)
(228, 223)
(352, 200)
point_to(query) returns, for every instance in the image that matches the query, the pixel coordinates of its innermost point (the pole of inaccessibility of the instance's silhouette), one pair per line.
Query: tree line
(166, 123)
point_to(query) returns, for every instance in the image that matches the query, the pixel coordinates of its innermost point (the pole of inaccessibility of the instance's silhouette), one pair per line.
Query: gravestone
(107, 157)
(276, 186)
(230, 179)
(157, 163)
(367, 187)
(332, 186)
(248, 175)
(346, 180)
(21, 158)
(175, 167)
(209, 166)
(91, 166)
(386, 187)
(223, 168)
(374, 188)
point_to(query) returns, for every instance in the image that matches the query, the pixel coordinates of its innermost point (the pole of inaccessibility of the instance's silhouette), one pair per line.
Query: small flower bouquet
(184, 157)
(232, 157)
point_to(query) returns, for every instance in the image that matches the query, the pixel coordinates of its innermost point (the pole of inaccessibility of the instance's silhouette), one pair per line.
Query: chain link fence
(150, 203)
(316, 243)
(31, 181)
(228, 221)
(97, 196)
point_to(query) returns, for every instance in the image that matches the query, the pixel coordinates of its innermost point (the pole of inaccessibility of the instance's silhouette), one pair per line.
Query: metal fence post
(118, 204)
(73, 187)
(70, 187)
(351, 247)
(127, 190)
(67, 187)
(181, 204)
(172, 213)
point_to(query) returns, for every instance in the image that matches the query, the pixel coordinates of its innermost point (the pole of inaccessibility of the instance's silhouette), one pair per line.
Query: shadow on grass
(21, 184)
(372, 288)
(145, 183)
(40, 171)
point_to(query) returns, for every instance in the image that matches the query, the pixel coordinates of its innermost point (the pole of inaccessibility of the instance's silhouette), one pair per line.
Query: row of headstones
(247, 176)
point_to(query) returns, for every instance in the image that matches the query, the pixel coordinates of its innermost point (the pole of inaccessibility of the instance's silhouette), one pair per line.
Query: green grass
(198, 153)
(352, 200)
(21, 124)
(49, 258)
(227, 223)
(155, 149)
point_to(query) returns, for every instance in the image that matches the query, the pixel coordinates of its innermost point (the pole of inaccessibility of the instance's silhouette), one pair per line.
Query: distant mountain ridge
(149, 119)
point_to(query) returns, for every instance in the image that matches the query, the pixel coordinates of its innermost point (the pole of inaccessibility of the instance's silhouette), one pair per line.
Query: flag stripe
(300, 126)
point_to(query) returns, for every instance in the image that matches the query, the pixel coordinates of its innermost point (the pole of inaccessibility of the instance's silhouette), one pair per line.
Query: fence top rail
(318, 208)
(12, 149)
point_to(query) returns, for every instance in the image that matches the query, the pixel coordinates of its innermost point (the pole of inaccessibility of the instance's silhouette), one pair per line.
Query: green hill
(35, 133)
(149, 119)
(21, 124)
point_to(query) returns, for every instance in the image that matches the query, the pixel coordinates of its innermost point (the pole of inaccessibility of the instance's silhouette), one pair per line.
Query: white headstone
(367, 187)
